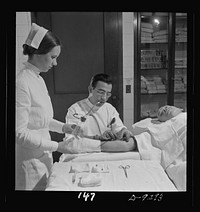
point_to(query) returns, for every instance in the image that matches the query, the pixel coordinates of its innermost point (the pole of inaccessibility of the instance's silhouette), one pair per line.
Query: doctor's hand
(108, 135)
(124, 134)
(66, 146)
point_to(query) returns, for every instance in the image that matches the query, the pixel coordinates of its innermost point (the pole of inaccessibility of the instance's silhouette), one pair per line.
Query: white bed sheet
(143, 175)
(170, 138)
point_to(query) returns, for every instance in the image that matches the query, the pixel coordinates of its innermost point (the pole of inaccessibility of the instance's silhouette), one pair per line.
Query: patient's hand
(119, 145)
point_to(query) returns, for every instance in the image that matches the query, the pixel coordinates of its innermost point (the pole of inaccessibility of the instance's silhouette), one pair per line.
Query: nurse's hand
(68, 128)
(66, 146)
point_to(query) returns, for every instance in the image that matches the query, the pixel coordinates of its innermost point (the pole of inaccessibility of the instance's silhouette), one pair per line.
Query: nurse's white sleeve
(70, 119)
(24, 136)
(56, 126)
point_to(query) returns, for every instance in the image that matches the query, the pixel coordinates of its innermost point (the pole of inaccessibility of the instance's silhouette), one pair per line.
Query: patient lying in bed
(167, 134)
(83, 144)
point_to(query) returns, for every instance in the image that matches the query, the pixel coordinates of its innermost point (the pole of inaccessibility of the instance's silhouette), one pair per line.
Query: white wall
(23, 25)
(128, 68)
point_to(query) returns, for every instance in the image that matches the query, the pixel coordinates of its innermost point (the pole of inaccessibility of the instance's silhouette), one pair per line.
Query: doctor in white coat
(34, 112)
(101, 118)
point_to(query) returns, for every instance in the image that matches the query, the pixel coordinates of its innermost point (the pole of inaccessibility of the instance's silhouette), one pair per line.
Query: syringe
(77, 129)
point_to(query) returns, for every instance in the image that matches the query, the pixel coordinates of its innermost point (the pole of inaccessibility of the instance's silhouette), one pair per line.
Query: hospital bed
(159, 165)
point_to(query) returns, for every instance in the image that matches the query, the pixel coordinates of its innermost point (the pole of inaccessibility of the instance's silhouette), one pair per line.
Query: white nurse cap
(35, 36)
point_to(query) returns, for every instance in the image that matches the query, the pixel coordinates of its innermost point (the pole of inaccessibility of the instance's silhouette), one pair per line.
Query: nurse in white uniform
(34, 112)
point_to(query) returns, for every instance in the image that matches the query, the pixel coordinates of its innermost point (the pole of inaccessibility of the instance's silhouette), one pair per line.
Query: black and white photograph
(101, 103)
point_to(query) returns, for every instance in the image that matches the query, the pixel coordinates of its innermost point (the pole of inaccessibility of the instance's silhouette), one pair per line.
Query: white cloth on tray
(143, 175)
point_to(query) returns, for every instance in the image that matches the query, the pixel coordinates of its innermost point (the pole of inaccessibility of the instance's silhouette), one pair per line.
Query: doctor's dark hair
(100, 77)
(47, 44)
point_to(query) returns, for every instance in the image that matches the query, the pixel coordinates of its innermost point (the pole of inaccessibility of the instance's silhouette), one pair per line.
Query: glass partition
(154, 62)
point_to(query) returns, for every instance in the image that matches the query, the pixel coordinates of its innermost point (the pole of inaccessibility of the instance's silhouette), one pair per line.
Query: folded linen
(148, 30)
(90, 180)
(99, 168)
(79, 167)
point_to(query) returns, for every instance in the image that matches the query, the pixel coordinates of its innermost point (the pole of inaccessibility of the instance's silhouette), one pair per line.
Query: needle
(83, 119)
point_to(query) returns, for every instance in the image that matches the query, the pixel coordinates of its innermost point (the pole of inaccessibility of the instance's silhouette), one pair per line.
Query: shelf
(180, 92)
(180, 67)
(147, 45)
(153, 93)
(178, 42)
(155, 43)
(177, 92)
(152, 69)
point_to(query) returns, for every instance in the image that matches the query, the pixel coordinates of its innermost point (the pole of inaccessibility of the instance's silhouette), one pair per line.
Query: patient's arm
(82, 145)
(118, 145)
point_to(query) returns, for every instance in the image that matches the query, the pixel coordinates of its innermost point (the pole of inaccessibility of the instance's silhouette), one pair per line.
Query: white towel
(142, 175)
(90, 180)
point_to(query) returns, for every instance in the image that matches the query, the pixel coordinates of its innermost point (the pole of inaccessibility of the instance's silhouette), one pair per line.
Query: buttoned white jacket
(34, 119)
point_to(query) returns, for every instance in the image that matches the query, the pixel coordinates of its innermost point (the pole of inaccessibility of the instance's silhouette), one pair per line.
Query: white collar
(95, 108)
(32, 68)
